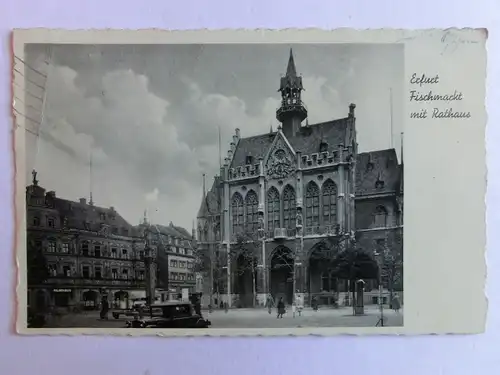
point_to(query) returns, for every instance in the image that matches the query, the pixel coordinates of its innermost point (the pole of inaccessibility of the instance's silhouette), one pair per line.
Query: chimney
(83, 201)
(352, 106)
(112, 209)
(237, 130)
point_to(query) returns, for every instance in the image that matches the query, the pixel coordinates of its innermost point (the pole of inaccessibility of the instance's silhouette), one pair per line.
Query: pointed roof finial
(34, 180)
(204, 189)
(290, 69)
(271, 128)
(145, 217)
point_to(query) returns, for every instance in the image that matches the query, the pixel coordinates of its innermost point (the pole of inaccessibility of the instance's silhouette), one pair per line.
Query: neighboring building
(90, 251)
(175, 249)
(93, 252)
(304, 189)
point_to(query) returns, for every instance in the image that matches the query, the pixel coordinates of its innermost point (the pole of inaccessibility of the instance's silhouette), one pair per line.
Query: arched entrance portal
(282, 274)
(323, 275)
(245, 280)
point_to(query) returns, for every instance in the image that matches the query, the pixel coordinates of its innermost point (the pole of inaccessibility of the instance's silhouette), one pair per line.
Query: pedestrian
(314, 303)
(269, 303)
(104, 308)
(396, 304)
(281, 308)
(197, 307)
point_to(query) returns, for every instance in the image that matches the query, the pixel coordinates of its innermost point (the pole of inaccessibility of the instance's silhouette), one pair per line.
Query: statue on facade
(298, 220)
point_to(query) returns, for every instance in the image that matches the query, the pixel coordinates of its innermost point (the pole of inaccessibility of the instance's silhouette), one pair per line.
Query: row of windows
(320, 208)
(172, 241)
(50, 221)
(281, 210)
(181, 250)
(95, 272)
(176, 276)
(181, 264)
(86, 250)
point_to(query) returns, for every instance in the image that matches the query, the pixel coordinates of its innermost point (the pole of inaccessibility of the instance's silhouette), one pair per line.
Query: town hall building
(299, 197)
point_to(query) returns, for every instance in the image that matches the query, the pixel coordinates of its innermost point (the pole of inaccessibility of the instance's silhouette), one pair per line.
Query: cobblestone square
(252, 318)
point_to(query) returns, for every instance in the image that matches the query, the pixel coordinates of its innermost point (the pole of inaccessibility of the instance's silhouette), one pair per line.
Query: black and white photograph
(228, 186)
(231, 187)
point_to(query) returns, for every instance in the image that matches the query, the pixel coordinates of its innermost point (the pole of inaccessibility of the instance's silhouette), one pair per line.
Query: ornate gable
(280, 159)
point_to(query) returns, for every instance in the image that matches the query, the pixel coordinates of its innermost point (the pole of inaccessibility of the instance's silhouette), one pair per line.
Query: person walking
(396, 304)
(269, 303)
(281, 308)
(104, 308)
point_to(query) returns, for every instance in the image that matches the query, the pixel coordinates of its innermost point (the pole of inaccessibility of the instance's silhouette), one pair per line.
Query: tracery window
(289, 207)
(252, 205)
(237, 213)
(273, 209)
(312, 205)
(329, 203)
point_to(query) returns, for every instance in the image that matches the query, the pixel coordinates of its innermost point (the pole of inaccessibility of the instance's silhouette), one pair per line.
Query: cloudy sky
(150, 114)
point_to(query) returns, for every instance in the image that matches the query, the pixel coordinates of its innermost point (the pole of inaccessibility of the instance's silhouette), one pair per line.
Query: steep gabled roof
(89, 217)
(379, 165)
(306, 141)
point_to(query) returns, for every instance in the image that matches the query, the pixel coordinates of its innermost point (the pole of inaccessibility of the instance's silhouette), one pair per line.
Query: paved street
(253, 318)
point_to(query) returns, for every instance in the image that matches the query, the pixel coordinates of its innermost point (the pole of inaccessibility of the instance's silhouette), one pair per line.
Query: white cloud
(152, 196)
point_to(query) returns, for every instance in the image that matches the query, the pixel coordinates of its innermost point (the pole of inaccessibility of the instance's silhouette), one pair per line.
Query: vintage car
(170, 315)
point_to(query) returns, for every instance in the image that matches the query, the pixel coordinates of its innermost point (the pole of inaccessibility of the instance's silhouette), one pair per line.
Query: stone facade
(294, 193)
(92, 251)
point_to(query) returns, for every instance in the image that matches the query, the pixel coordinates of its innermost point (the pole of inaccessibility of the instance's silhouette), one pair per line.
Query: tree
(391, 264)
(245, 249)
(38, 271)
(353, 263)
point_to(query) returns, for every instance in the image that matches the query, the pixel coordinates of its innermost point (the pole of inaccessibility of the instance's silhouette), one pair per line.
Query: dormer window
(379, 184)
(249, 159)
(323, 147)
(102, 216)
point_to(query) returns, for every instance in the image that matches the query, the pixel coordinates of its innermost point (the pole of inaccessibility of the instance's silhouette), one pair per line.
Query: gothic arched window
(289, 207)
(237, 213)
(329, 203)
(380, 217)
(312, 205)
(252, 205)
(273, 209)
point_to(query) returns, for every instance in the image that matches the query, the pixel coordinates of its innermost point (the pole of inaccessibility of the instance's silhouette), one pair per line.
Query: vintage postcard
(230, 183)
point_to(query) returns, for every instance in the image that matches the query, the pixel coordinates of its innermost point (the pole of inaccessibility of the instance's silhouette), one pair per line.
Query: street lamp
(262, 233)
(380, 291)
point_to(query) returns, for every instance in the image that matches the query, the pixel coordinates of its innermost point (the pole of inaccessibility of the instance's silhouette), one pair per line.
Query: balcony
(280, 233)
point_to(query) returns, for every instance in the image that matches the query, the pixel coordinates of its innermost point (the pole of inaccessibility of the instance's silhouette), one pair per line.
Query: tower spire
(292, 111)
(291, 71)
